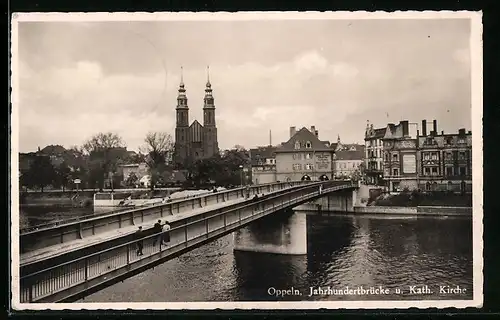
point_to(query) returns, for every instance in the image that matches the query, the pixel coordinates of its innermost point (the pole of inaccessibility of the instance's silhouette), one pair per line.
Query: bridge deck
(59, 249)
(92, 272)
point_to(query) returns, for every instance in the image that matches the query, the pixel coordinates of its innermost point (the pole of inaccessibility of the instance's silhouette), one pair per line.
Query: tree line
(96, 164)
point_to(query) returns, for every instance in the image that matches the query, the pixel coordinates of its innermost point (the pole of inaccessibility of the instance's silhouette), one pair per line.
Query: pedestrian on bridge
(157, 228)
(139, 234)
(166, 234)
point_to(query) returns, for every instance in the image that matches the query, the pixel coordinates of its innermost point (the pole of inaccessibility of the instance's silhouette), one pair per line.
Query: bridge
(71, 260)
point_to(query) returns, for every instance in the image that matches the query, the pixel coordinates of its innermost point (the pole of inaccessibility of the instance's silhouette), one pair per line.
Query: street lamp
(241, 175)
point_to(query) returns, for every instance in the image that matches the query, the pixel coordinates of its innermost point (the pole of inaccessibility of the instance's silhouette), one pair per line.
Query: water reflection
(342, 251)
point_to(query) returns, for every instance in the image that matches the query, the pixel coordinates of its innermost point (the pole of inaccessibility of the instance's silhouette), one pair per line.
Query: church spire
(182, 90)
(208, 77)
(208, 90)
(181, 97)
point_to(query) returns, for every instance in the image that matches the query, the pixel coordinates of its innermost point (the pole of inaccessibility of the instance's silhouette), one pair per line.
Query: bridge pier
(343, 201)
(287, 236)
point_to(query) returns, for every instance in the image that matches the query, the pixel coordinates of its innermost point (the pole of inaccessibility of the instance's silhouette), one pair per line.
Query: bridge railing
(80, 229)
(40, 285)
(59, 222)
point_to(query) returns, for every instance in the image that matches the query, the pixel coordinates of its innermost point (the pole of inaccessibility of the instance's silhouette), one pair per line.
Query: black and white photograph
(250, 160)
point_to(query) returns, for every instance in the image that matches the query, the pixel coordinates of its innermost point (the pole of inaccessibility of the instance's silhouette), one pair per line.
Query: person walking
(157, 230)
(166, 233)
(139, 234)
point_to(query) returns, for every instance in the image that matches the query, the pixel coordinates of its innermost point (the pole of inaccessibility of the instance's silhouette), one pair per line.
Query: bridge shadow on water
(355, 251)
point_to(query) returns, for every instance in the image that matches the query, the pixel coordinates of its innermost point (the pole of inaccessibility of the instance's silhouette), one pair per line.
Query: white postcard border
(476, 114)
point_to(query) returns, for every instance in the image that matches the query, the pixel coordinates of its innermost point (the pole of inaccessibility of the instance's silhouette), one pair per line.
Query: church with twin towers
(194, 141)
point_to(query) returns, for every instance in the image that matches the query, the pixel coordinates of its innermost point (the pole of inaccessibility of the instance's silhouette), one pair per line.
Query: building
(138, 169)
(195, 141)
(400, 157)
(263, 164)
(304, 157)
(348, 159)
(445, 160)
(374, 163)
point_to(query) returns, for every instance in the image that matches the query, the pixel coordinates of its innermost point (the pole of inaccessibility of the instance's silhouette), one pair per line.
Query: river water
(343, 251)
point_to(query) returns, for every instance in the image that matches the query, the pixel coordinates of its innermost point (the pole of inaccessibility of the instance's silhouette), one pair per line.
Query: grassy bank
(414, 199)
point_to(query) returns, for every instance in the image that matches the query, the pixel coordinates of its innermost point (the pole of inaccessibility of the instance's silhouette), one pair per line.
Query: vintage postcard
(246, 160)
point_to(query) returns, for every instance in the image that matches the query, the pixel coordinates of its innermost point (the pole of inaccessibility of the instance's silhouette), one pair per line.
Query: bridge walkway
(59, 249)
(75, 279)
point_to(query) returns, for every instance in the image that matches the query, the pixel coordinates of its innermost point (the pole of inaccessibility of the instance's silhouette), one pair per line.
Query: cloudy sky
(80, 78)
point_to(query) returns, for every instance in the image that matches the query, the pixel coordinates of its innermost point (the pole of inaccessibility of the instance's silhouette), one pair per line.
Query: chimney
(442, 132)
(418, 133)
(424, 128)
(316, 133)
(435, 125)
(292, 131)
(404, 124)
(469, 132)
(461, 132)
(313, 129)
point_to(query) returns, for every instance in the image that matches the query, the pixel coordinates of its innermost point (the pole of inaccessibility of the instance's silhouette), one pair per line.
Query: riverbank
(390, 210)
(422, 199)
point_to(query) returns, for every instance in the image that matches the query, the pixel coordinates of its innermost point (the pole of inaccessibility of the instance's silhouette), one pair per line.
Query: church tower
(182, 125)
(210, 144)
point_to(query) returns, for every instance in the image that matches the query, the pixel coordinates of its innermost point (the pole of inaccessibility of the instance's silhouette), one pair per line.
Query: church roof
(195, 123)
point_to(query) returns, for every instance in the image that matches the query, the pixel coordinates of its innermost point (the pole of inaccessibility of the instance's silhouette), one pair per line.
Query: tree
(104, 151)
(41, 173)
(132, 180)
(63, 175)
(159, 148)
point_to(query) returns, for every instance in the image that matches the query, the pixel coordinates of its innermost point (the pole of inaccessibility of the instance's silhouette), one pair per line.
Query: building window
(395, 172)
(297, 167)
(434, 156)
(297, 145)
(309, 166)
(394, 157)
(461, 155)
(426, 156)
(428, 186)
(308, 145)
(434, 171)
(448, 155)
(387, 156)
(308, 156)
(449, 171)
(462, 171)
(427, 171)
(449, 140)
(461, 140)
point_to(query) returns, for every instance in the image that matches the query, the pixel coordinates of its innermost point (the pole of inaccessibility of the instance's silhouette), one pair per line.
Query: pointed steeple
(208, 77)
(338, 138)
(182, 101)
(209, 99)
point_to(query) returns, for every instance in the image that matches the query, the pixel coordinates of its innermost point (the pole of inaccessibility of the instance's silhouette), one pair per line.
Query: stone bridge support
(285, 234)
(343, 201)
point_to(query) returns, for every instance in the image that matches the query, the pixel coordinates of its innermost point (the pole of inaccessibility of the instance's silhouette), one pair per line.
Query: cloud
(99, 78)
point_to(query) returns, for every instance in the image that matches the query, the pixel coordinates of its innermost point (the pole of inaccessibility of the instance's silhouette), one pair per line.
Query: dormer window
(297, 145)
(308, 145)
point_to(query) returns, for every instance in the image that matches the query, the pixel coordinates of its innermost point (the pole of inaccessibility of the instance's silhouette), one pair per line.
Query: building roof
(349, 155)
(53, 149)
(302, 137)
(374, 133)
(259, 155)
(351, 151)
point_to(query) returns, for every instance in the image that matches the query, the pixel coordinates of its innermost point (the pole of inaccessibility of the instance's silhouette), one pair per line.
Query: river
(343, 250)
